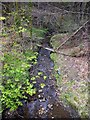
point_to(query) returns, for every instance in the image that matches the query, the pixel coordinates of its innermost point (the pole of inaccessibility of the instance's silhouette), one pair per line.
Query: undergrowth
(17, 60)
(15, 77)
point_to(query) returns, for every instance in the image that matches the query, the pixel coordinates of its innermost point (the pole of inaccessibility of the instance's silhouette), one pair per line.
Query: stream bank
(73, 79)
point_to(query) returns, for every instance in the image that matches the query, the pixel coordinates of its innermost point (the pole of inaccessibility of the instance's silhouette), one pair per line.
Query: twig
(3, 5)
(73, 34)
(19, 115)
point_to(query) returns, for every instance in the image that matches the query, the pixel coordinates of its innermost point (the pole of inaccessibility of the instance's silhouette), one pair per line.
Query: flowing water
(45, 103)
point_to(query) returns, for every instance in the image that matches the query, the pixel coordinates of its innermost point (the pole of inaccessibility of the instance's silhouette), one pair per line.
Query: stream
(45, 104)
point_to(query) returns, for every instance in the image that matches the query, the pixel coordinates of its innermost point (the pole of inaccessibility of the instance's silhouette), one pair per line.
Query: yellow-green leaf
(42, 85)
(2, 18)
(45, 77)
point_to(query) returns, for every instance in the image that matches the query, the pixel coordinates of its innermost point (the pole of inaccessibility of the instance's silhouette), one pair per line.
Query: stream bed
(45, 104)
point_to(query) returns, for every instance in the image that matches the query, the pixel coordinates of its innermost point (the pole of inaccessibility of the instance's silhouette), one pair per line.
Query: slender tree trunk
(30, 24)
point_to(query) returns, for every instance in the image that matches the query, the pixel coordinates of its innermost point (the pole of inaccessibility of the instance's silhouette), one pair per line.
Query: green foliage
(57, 73)
(23, 22)
(33, 78)
(16, 78)
(44, 77)
(2, 18)
(42, 85)
(38, 32)
(40, 73)
(53, 56)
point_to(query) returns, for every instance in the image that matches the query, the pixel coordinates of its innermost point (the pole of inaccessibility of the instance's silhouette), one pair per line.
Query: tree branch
(55, 13)
(55, 51)
(73, 34)
(68, 11)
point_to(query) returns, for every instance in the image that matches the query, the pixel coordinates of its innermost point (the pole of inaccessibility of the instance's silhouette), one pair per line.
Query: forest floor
(73, 75)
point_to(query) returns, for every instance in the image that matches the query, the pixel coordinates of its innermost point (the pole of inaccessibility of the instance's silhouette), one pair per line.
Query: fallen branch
(50, 49)
(55, 51)
(73, 35)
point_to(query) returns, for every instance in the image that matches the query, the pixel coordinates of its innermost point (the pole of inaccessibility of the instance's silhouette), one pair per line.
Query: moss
(57, 39)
